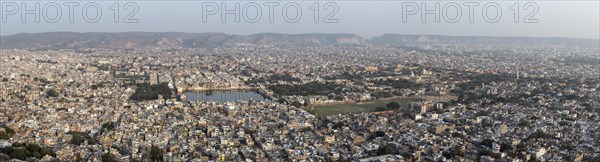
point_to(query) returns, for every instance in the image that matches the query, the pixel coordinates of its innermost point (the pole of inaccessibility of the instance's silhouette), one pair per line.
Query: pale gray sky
(576, 19)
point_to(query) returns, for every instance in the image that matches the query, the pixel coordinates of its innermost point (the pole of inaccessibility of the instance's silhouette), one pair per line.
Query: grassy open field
(326, 110)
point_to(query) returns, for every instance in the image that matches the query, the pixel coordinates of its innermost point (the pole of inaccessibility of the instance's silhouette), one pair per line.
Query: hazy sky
(578, 19)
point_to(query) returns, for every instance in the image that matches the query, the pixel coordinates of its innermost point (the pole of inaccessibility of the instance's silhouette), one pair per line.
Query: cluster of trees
(581, 60)
(577, 97)
(453, 152)
(399, 84)
(338, 125)
(387, 149)
(487, 142)
(96, 86)
(44, 81)
(312, 88)
(80, 138)
(47, 61)
(362, 75)
(109, 158)
(284, 77)
(376, 134)
(275, 78)
(7, 133)
(469, 97)
(298, 104)
(478, 79)
(390, 106)
(108, 126)
(103, 67)
(345, 75)
(145, 91)
(131, 77)
(248, 72)
(381, 94)
(23, 151)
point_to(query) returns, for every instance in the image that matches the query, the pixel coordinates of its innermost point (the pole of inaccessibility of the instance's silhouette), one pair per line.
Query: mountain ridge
(504, 40)
(73, 40)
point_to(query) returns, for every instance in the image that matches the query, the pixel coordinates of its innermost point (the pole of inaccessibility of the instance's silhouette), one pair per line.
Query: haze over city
(571, 19)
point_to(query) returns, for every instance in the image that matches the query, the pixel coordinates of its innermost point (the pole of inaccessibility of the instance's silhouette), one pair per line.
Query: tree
(296, 104)
(524, 123)
(338, 125)
(407, 155)
(52, 93)
(487, 142)
(156, 154)
(282, 100)
(393, 105)
(456, 134)
(461, 97)
(453, 152)
(4, 136)
(108, 126)
(80, 138)
(387, 149)
(109, 158)
(487, 123)
(379, 133)
(7, 133)
(4, 79)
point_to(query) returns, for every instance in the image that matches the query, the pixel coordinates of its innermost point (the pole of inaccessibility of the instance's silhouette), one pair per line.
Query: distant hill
(73, 40)
(62, 40)
(396, 39)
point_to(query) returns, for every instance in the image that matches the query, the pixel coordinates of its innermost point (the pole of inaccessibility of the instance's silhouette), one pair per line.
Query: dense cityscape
(359, 102)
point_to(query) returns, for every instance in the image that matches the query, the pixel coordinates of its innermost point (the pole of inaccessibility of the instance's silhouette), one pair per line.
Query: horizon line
(364, 37)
